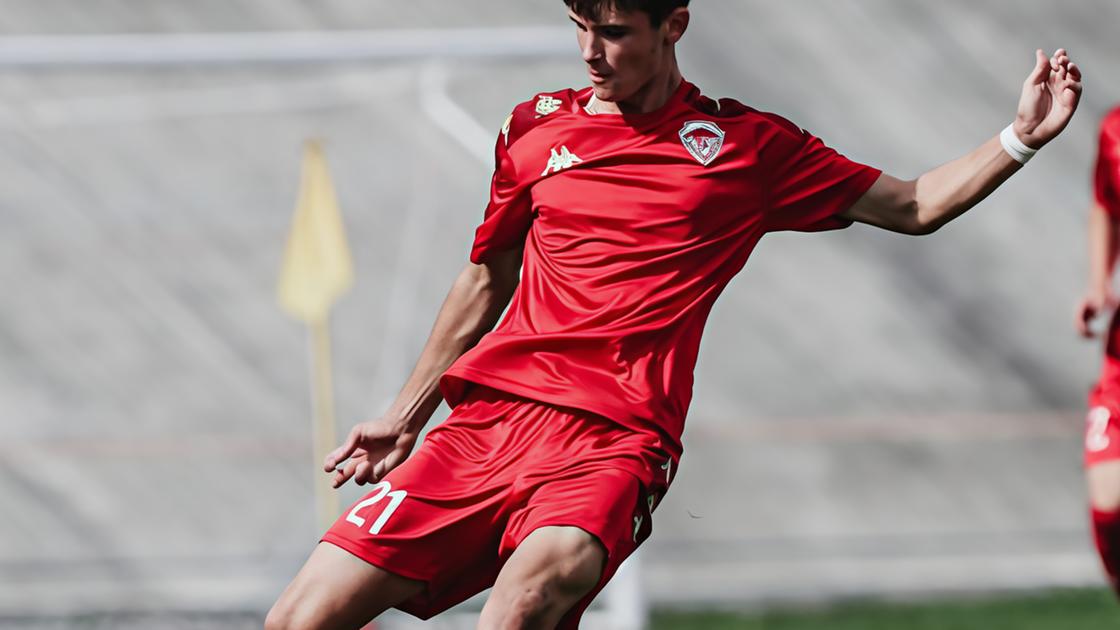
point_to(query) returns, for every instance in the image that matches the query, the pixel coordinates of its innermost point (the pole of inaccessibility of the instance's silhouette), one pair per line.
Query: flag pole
(316, 271)
(324, 434)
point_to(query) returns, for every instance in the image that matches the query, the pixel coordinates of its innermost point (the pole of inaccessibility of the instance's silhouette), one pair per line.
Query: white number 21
(380, 491)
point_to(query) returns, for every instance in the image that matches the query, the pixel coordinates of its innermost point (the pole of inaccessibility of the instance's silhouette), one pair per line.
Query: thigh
(336, 589)
(549, 572)
(1104, 485)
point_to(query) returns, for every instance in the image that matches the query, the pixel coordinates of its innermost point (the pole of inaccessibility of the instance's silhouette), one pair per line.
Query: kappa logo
(546, 105)
(703, 140)
(560, 161)
(637, 526)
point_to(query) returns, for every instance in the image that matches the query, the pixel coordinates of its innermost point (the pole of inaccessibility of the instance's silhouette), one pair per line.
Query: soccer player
(627, 206)
(1102, 429)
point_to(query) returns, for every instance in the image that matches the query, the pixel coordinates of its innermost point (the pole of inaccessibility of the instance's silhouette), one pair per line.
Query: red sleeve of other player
(1106, 185)
(808, 182)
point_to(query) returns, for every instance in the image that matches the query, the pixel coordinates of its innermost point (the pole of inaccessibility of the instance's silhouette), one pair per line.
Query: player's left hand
(1050, 96)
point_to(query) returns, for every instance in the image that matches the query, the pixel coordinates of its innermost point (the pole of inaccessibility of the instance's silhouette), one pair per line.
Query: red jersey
(1106, 188)
(632, 226)
(1106, 184)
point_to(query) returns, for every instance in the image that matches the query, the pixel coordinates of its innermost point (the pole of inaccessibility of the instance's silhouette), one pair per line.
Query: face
(623, 52)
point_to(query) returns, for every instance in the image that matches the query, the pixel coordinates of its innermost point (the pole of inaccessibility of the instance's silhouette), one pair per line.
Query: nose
(590, 47)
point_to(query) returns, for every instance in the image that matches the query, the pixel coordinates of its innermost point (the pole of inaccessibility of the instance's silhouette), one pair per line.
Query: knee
(279, 618)
(1106, 503)
(287, 614)
(1104, 486)
(526, 607)
(577, 577)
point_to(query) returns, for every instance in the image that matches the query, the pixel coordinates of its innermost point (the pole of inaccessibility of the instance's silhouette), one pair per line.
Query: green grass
(1081, 609)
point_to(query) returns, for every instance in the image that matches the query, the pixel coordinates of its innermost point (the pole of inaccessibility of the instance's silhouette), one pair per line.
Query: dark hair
(657, 10)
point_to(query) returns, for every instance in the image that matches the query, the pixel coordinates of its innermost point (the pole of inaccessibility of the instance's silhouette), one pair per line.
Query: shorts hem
(1100, 459)
(561, 523)
(611, 562)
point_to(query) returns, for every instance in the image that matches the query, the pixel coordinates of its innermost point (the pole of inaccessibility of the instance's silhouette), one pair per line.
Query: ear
(675, 24)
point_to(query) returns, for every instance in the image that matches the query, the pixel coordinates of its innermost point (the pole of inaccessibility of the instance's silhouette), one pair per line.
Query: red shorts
(1102, 426)
(500, 467)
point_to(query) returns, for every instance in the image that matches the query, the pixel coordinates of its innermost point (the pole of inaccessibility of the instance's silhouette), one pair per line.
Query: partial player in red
(627, 206)
(1102, 429)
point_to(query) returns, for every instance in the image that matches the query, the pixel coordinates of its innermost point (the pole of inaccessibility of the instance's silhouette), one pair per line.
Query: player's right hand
(371, 450)
(1089, 308)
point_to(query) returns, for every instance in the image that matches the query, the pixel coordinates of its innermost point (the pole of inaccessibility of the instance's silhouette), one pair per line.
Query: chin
(603, 92)
(608, 92)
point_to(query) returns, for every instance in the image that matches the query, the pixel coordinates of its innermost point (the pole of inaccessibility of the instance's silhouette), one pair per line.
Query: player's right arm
(471, 309)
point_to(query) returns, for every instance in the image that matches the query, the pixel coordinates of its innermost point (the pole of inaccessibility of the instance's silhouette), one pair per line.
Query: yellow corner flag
(317, 266)
(316, 271)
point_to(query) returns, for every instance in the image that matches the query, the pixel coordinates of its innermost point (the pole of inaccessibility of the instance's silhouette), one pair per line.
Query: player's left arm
(921, 206)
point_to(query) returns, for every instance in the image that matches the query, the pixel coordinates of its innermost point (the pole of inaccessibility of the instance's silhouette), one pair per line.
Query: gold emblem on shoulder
(546, 105)
(505, 128)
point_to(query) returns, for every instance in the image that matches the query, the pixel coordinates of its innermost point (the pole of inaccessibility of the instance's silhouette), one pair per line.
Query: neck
(650, 97)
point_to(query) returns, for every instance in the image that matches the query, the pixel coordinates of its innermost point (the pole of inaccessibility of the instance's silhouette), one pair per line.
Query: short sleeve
(1106, 179)
(509, 213)
(808, 183)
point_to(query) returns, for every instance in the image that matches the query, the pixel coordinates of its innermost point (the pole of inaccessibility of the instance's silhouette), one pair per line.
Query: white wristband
(1014, 146)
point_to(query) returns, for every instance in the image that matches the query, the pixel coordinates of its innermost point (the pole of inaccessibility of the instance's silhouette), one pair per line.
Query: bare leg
(548, 573)
(1104, 486)
(336, 590)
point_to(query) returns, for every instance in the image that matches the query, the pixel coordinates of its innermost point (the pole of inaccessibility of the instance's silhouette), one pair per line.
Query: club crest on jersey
(560, 161)
(546, 105)
(703, 140)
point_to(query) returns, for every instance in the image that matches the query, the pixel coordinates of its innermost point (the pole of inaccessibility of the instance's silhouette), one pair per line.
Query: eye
(614, 32)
